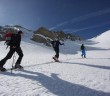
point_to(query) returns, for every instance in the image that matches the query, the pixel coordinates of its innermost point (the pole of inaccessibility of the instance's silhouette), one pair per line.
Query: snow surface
(74, 76)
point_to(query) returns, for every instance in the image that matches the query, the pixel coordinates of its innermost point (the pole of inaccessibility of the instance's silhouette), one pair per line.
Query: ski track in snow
(74, 76)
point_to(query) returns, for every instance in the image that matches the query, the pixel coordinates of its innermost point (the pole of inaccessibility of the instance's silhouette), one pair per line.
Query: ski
(55, 59)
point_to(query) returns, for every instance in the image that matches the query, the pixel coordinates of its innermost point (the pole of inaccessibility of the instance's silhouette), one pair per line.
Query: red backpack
(7, 38)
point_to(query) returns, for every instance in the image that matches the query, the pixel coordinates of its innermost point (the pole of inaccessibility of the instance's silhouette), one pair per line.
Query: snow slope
(103, 39)
(73, 77)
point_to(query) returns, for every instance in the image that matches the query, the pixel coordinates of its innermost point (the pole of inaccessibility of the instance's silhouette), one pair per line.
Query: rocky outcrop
(43, 35)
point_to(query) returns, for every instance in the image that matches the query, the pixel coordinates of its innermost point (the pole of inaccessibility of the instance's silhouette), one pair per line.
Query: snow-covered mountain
(74, 76)
(41, 35)
(103, 39)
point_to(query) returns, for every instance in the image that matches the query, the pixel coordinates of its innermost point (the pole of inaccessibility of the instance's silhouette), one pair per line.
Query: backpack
(53, 44)
(8, 38)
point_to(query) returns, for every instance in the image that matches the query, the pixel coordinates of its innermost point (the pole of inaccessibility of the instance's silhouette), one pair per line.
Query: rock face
(43, 35)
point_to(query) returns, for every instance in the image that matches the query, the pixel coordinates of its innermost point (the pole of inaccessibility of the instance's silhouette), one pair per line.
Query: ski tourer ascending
(55, 45)
(83, 49)
(14, 47)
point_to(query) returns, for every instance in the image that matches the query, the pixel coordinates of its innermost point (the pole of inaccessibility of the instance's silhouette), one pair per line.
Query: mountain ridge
(41, 35)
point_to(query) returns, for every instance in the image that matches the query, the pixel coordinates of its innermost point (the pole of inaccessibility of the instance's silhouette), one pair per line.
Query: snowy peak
(103, 39)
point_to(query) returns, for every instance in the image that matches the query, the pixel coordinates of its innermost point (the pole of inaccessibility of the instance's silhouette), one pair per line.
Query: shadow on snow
(58, 86)
(89, 65)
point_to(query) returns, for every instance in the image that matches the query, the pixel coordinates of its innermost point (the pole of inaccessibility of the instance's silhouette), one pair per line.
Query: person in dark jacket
(55, 45)
(14, 47)
(83, 49)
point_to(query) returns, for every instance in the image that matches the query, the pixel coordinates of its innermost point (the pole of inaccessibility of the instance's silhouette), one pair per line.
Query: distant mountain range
(41, 35)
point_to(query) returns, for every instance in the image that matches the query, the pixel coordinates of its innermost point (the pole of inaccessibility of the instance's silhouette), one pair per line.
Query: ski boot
(18, 66)
(2, 69)
(56, 59)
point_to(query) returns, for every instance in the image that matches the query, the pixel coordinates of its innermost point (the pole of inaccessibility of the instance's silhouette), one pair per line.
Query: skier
(83, 49)
(14, 47)
(55, 45)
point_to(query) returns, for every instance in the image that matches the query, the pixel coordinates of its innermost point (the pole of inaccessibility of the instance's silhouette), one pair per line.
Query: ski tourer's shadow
(58, 86)
(89, 65)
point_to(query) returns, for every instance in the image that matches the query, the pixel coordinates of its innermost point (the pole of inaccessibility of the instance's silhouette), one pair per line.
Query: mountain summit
(44, 35)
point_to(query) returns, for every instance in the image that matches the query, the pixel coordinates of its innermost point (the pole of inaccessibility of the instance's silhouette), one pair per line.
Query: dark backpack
(53, 44)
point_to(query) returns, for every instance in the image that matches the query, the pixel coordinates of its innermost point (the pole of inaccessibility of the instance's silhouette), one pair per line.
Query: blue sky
(76, 16)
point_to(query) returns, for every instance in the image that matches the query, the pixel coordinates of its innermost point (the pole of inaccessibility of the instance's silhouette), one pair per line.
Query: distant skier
(83, 49)
(55, 45)
(14, 47)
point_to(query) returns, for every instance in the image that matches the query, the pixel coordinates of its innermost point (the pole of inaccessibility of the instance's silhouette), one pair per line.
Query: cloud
(61, 24)
(94, 14)
(84, 17)
(85, 28)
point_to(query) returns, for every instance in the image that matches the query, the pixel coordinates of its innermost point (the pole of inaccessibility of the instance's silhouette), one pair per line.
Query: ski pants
(83, 53)
(10, 53)
(57, 52)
